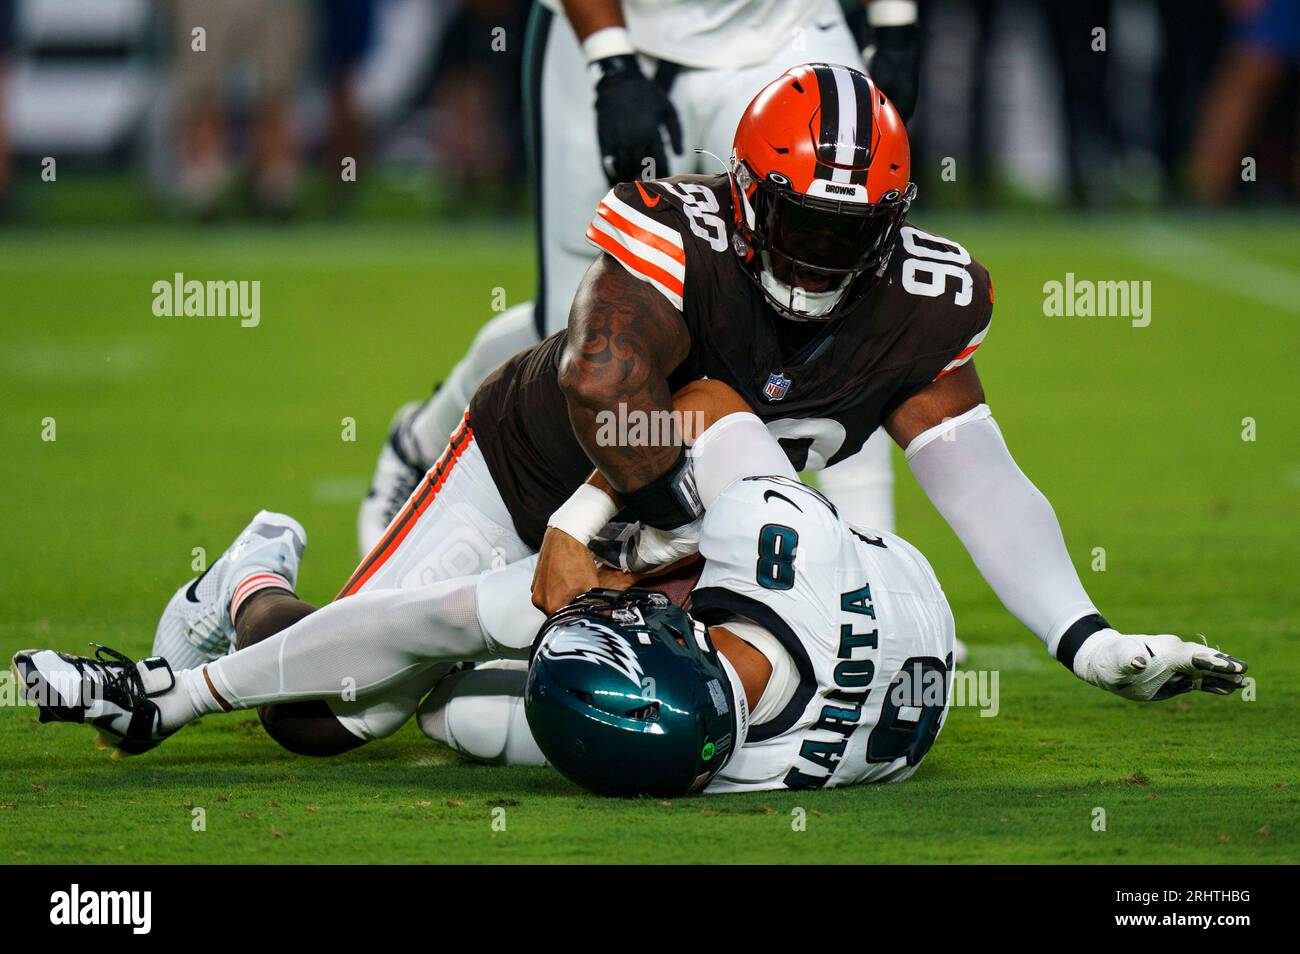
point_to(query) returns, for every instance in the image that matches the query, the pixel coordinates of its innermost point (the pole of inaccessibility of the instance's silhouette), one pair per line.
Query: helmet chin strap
(800, 304)
(742, 705)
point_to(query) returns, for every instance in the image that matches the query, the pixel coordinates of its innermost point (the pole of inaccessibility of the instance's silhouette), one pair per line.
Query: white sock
(188, 700)
(355, 647)
(502, 337)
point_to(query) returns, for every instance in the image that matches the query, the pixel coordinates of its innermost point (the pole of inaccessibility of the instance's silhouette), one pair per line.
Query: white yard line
(1215, 266)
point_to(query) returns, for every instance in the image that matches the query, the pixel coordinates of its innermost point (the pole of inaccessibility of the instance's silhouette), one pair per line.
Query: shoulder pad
(953, 292)
(640, 230)
(656, 229)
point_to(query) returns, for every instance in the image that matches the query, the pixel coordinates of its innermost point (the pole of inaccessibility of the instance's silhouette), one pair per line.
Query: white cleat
(959, 653)
(197, 627)
(395, 479)
(109, 691)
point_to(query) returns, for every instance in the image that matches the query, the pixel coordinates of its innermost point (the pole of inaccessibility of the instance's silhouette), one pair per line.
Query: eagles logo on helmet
(668, 733)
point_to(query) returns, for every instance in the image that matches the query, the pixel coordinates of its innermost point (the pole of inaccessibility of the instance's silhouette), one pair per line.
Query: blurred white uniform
(731, 48)
(854, 624)
(713, 34)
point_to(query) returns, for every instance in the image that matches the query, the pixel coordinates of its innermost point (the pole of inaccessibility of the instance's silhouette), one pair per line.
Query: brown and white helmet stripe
(847, 133)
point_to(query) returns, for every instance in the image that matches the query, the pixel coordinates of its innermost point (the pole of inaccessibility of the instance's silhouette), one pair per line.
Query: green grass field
(171, 432)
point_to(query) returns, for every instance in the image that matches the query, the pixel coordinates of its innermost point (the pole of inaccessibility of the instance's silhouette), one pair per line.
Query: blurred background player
(1263, 57)
(347, 28)
(670, 83)
(268, 37)
(1019, 94)
(478, 92)
(6, 42)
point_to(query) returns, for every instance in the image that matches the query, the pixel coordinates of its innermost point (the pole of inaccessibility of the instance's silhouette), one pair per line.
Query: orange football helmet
(820, 179)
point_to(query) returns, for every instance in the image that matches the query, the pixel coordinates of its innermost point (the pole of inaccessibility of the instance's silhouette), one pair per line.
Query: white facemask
(802, 305)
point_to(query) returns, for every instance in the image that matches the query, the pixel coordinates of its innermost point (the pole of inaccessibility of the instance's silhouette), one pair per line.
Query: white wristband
(609, 41)
(589, 509)
(891, 13)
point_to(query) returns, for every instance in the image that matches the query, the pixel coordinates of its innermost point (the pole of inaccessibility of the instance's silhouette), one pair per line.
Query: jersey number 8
(776, 548)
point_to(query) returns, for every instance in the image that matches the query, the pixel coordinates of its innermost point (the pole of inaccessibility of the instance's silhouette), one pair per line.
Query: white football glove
(1148, 668)
(636, 548)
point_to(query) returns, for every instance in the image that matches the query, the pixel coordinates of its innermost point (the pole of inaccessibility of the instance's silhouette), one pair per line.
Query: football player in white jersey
(403, 621)
(817, 654)
(865, 625)
(809, 616)
(833, 645)
(650, 71)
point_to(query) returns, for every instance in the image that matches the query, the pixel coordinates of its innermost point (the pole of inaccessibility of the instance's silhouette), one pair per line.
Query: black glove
(630, 110)
(896, 65)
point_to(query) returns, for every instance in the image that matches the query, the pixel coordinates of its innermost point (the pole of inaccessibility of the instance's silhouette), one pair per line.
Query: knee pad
(307, 728)
(480, 713)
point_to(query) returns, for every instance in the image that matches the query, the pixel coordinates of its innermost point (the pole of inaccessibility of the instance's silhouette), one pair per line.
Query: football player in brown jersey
(794, 279)
(703, 62)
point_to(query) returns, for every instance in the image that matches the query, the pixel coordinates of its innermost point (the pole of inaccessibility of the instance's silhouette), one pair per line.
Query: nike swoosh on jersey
(774, 493)
(649, 200)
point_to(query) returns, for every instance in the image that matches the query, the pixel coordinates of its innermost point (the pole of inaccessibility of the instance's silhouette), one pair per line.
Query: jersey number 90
(926, 273)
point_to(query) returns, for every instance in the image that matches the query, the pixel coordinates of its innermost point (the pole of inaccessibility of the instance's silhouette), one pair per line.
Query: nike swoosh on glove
(635, 548)
(630, 110)
(1150, 668)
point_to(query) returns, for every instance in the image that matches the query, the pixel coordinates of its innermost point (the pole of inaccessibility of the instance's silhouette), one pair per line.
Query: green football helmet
(627, 696)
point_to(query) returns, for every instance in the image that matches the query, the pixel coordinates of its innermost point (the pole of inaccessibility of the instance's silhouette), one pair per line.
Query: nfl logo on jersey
(777, 385)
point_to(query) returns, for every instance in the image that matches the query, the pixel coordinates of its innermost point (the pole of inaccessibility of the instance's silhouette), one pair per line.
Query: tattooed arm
(625, 339)
(566, 566)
